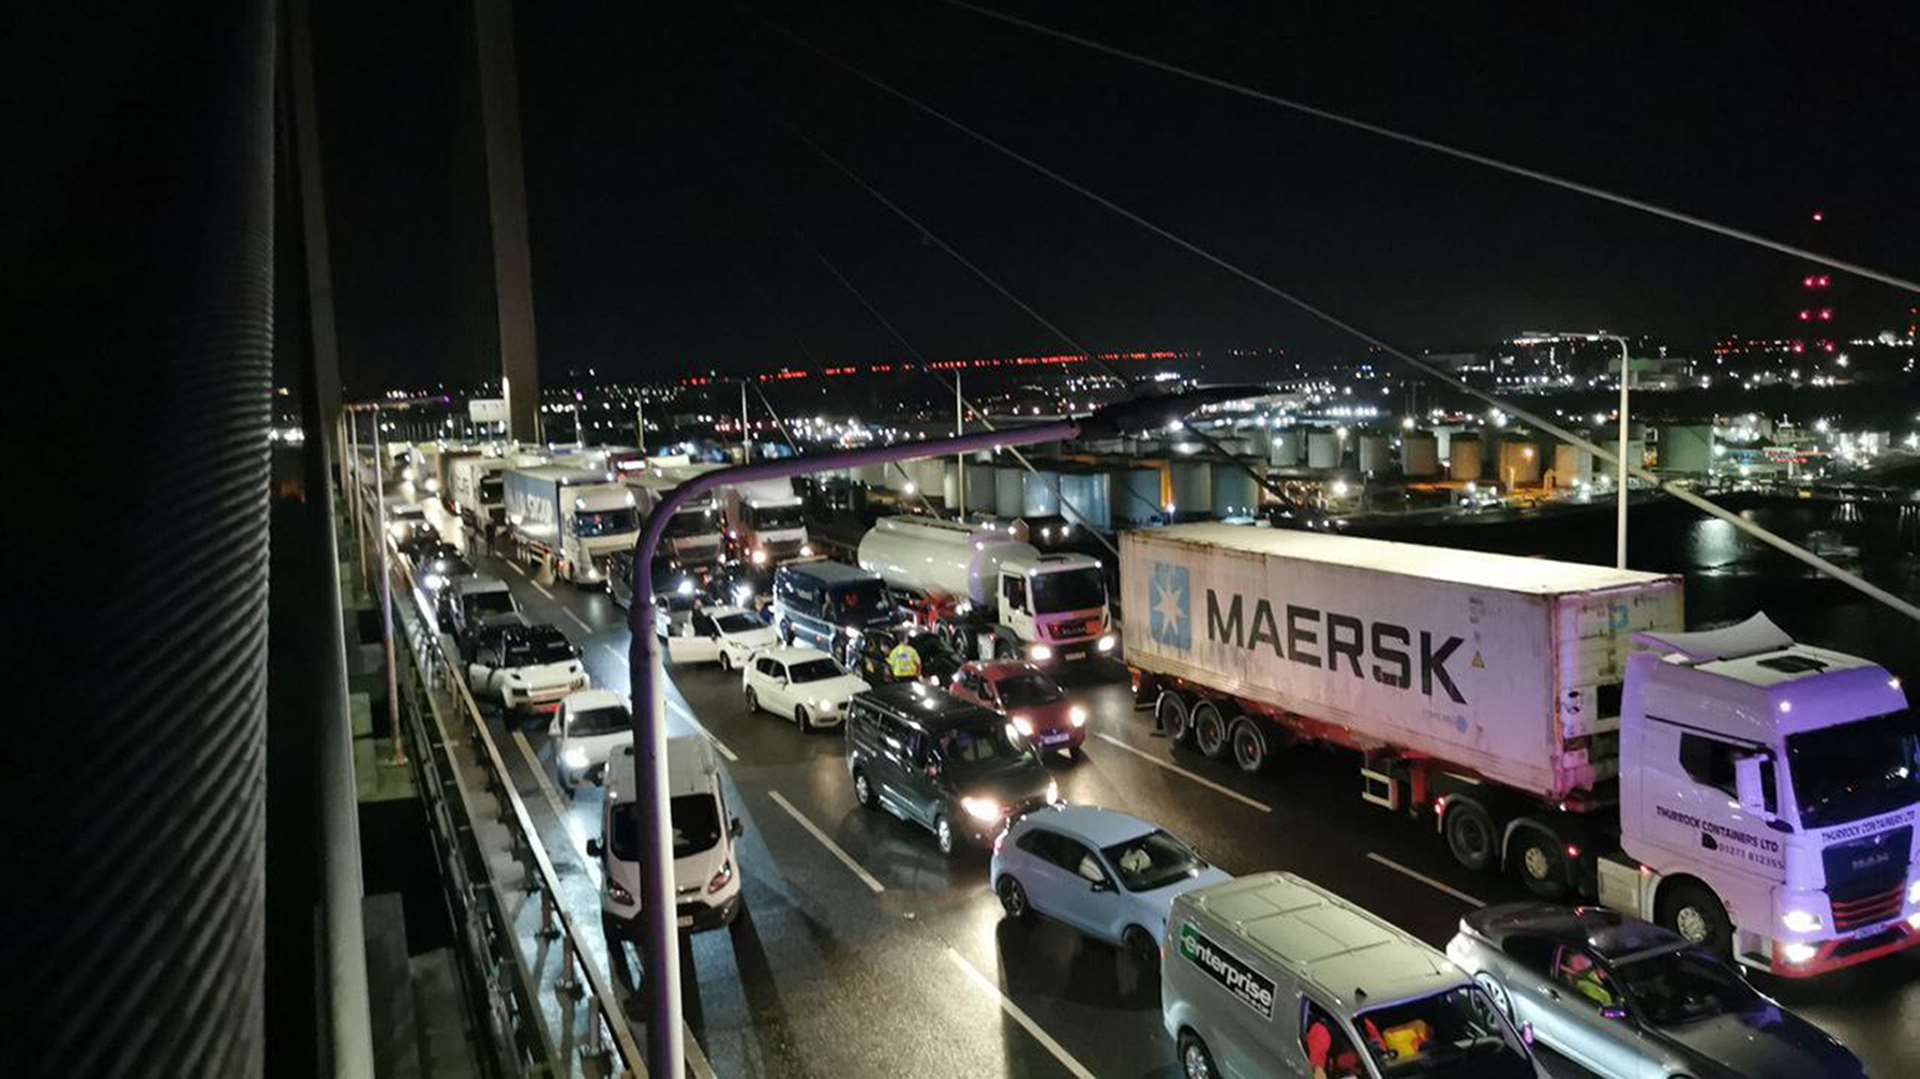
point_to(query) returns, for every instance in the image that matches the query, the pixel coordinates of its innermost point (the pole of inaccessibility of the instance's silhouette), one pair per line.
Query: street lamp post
(659, 954)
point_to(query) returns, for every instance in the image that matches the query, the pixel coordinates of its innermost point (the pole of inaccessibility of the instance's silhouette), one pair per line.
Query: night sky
(674, 225)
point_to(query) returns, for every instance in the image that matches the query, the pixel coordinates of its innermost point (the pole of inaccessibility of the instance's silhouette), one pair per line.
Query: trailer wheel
(1209, 730)
(1170, 712)
(1471, 835)
(1540, 863)
(1690, 909)
(1249, 745)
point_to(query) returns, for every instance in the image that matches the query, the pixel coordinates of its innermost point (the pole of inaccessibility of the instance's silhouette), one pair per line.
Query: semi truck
(766, 523)
(1553, 721)
(695, 535)
(993, 595)
(477, 490)
(569, 520)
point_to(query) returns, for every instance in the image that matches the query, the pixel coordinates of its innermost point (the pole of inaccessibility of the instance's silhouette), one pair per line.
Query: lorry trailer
(568, 521)
(1553, 720)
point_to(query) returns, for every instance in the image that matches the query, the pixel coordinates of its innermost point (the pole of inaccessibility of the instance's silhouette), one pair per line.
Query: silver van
(1274, 975)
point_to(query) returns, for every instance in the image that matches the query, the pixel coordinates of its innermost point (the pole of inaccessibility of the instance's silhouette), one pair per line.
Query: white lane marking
(1019, 1015)
(676, 708)
(542, 589)
(1426, 880)
(1200, 779)
(515, 566)
(827, 842)
(574, 832)
(577, 620)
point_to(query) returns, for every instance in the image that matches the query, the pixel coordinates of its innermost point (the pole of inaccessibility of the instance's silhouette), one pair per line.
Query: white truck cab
(766, 522)
(706, 869)
(1768, 796)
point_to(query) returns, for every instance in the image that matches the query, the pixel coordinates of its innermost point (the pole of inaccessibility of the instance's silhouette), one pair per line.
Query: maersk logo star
(1169, 599)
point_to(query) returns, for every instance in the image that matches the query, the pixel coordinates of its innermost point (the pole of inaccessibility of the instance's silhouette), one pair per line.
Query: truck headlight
(1800, 921)
(575, 759)
(759, 556)
(1105, 644)
(435, 581)
(1077, 716)
(806, 550)
(1798, 953)
(985, 810)
(1040, 652)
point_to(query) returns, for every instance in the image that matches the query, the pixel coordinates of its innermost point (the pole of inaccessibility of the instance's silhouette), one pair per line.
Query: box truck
(766, 523)
(993, 595)
(569, 520)
(476, 489)
(1552, 720)
(695, 535)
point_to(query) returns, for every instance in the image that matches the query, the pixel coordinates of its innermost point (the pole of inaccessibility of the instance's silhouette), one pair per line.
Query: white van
(1274, 975)
(706, 872)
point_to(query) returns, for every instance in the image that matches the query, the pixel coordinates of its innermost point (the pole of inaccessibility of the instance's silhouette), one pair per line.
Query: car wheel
(1470, 835)
(753, 701)
(1013, 899)
(1540, 864)
(1174, 718)
(1139, 944)
(1209, 730)
(1195, 1061)
(802, 720)
(1249, 746)
(726, 664)
(1495, 992)
(1693, 911)
(786, 634)
(943, 834)
(862, 790)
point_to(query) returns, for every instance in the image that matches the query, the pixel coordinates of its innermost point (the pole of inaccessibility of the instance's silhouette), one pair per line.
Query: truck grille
(1867, 878)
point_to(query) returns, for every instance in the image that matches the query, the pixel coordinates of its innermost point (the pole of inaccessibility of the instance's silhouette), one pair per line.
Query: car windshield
(858, 602)
(694, 522)
(1069, 590)
(1683, 987)
(1454, 1034)
(984, 748)
(604, 522)
(1030, 689)
(482, 604)
(1855, 770)
(597, 721)
(533, 649)
(813, 670)
(769, 518)
(1154, 860)
(696, 827)
(738, 623)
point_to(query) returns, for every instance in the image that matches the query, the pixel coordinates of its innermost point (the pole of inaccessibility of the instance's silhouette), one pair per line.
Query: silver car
(1628, 999)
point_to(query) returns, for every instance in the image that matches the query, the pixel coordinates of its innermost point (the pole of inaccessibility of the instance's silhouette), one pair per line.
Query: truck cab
(1768, 799)
(766, 522)
(1053, 606)
(695, 533)
(570, 520)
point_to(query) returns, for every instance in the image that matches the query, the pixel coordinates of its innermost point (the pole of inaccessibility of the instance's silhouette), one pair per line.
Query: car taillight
(617, 893)
(721, 878)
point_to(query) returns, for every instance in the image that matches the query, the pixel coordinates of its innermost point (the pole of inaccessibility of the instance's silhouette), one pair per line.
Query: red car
(1026, 695)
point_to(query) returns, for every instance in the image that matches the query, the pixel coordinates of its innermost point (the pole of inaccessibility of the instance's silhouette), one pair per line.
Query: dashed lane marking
(1200, 779)
(1426, 880)
(678, 709)
(1019, 1015)
(827, 842)
(577, 620)
(542, 589)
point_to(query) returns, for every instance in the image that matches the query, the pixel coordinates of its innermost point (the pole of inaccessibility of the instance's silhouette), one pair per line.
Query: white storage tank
(1284, 450)
(1009, 490)
(1323, 450)
(1519, 463)
(1040, 496)
(1375, 453)
(1420, 454)
(1192, 487)
(1686, 447)
(873, 475)
(980, 487)
(1137, 502)
(1085, 499)
(1235, 494)
(1572, 465)
(1463, 457)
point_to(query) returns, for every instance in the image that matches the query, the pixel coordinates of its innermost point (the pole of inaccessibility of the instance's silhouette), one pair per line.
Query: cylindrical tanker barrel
(1420, 454)
(1463, 457)
(1323, 449)
(1375, 452)
(939, 557)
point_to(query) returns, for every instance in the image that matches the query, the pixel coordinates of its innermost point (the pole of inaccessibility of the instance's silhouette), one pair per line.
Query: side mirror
(1526, 1033)
(595, 849)
(1748, 786)
(736, 829)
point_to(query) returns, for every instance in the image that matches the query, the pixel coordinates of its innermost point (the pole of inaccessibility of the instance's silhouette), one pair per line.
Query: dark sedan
(1626, 998)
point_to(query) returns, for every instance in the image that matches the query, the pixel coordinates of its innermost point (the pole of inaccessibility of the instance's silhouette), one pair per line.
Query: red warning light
(1819, 215)
(1826, 314)
(1805, 315)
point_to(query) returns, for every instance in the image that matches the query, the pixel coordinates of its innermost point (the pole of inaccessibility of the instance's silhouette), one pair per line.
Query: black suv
(928, 757)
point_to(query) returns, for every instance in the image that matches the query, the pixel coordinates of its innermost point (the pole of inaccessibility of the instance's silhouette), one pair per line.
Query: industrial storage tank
(1572, 465)
(1040, 495)
(1323, 450)
(872, 475)
(1086, 499)
(1420, 455)
(1463, 457)
(1375, 455)
(1686, 447)
(1137, 500)
(1284, 450)
(980, 487)
(1009, 490)
(1235, 494)
(1192, 487)
(1519, 464)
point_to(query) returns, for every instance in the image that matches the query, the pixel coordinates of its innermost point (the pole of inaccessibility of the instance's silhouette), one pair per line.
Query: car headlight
(823, 705)
(759, 556)
(1800, 921)
(1798, 953)
(618, 894)
(1040, 652)
(741, 594)
(1077, 716)
(575, 759)
(985, 810)
(852, 634)
(806, 550)
(685, 587)
(1023, 725)
(1053, 791)
(1105, 644)
(721, 878)
(1913, 894)
(435, 581)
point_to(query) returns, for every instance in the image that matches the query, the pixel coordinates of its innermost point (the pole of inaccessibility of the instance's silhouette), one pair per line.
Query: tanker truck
(569, 520)
(993, 595)
(1553, 721)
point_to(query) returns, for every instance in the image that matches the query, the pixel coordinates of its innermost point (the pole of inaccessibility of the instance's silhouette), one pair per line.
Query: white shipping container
(1491, 663)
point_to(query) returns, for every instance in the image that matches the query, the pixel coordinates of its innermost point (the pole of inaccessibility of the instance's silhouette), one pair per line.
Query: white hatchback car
(725, 634)
(803, 684)
(585, 731)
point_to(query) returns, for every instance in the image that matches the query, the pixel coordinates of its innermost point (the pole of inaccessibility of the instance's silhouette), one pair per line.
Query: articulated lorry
(697, 530)
(766, 522)
(1552, 720)
(992, 594)
(569, 520)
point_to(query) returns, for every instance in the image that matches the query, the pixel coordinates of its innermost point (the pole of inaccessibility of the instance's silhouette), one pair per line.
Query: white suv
(802, 684)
